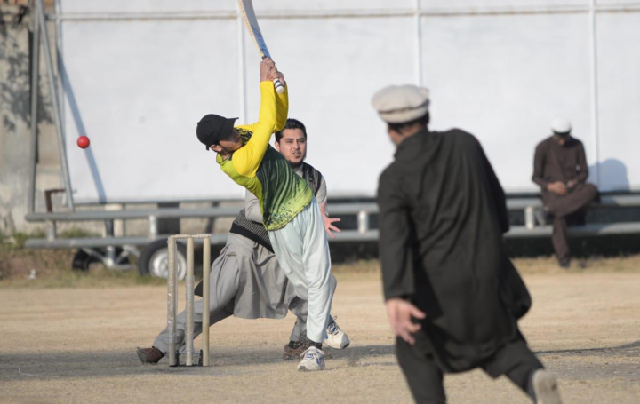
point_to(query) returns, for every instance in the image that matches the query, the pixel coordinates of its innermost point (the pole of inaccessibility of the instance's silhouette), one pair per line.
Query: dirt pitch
(78, 345)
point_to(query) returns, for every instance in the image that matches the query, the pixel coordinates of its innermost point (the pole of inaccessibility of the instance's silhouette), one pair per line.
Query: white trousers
(302, 252)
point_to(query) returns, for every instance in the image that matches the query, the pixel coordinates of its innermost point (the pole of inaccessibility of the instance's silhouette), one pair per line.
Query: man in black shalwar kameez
(453, 297)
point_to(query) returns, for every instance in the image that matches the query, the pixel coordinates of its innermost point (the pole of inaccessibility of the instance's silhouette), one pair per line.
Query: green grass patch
(98, 277)
(76, 232)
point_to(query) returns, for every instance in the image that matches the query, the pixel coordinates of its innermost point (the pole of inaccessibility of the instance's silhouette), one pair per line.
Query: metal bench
(362, 210)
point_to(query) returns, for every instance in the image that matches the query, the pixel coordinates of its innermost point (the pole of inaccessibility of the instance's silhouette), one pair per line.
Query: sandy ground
(79, 346)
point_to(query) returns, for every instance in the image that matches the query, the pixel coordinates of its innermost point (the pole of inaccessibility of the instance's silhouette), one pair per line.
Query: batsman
(289, 210)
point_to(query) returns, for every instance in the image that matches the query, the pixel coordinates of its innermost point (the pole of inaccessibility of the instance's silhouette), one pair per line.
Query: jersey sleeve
(282, 109)
(246, 159)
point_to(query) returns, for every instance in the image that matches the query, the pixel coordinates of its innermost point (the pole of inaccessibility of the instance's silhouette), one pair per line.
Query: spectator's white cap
(561, 125)
(400, 104)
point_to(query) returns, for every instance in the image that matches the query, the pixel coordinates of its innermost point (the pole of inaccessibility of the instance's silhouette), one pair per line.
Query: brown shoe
(293, 350)
(150, 355)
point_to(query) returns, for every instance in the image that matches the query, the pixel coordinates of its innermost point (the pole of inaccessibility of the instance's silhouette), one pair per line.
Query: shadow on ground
(614, 363)
(226, 361)
(229, 361)
(628, 350)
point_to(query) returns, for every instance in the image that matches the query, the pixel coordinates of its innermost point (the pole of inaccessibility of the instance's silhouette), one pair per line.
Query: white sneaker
(545, 387)
(336, 338)
(311, 359)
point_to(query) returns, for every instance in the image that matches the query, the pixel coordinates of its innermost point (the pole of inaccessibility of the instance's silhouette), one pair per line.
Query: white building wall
(141, 73)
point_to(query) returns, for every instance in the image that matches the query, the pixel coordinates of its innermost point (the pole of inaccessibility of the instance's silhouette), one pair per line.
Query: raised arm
(246, 160)
(282, 105)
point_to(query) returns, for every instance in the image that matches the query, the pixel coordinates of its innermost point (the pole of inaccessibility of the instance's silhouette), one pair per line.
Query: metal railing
(362, 210)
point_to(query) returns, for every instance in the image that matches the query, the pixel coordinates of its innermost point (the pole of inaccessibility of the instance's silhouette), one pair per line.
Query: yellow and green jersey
(262, 170)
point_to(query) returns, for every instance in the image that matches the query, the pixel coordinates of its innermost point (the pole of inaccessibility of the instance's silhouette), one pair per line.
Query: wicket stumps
(172, 297)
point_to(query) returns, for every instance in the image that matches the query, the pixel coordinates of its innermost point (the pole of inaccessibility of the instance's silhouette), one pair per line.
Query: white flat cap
(400, 104)
(561, 125)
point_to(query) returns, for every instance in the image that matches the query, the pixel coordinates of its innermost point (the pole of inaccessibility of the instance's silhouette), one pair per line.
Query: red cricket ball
(83, 142)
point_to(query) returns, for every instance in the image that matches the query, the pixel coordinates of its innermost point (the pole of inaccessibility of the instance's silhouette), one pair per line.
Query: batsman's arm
(246, 160)
(282, 105)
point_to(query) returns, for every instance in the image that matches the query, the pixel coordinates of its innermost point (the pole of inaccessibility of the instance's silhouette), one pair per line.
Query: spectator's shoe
(336, 338)
(564, 262)
(312, 359)
(293, 350)
(545, 387)
(150, 355)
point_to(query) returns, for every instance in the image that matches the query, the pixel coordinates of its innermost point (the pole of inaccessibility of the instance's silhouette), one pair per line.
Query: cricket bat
(251, 22)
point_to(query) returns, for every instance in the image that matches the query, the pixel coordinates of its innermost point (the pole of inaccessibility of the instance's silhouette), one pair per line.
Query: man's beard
(295, 165)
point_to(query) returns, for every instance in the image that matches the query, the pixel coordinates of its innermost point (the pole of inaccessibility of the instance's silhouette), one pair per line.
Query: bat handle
(276, 81)
(279, 86)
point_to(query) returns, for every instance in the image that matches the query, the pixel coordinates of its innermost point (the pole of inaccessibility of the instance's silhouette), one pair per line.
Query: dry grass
(548, 265)
(358, 267)
(16, 263)
(541, 265)
(98, 277)
(78, 345)
(53, 269)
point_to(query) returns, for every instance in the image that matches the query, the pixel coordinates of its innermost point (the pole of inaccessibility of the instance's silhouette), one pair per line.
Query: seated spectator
(560, 169)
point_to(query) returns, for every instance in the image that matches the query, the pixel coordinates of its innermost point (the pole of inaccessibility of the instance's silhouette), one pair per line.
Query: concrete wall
(15, 91)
